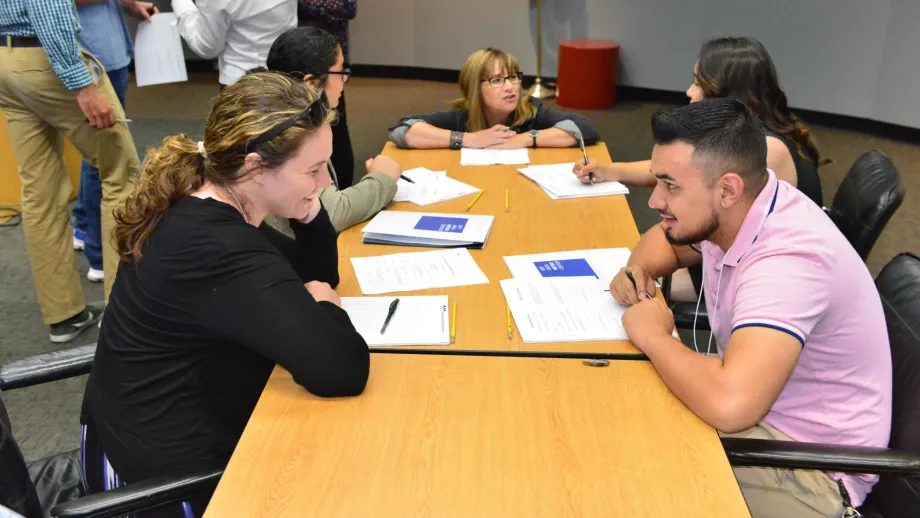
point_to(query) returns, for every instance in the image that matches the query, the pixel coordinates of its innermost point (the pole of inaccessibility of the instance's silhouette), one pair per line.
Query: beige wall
(851, 57)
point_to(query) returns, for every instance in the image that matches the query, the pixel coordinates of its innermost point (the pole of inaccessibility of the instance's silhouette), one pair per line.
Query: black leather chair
(54, 486)
(870, 194)
(897, 493)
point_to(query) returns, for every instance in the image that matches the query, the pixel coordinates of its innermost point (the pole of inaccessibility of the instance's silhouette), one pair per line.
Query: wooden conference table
(534, 224)
(485, 436)
(465, 436)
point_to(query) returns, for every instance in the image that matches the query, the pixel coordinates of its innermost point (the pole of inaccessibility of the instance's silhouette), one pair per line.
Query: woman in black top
(493, 113)
(739, 68)
(208, 298)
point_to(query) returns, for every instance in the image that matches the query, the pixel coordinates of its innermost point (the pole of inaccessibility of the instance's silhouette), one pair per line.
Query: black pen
(581, 142)
(406, 178)
(390, 314)
(632, 279)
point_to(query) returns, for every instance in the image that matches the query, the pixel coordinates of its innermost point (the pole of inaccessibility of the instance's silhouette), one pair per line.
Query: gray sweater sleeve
(398, 133)
(359, 202)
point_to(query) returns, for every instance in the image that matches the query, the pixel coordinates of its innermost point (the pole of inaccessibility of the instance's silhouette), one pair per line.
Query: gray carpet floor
(46, 418)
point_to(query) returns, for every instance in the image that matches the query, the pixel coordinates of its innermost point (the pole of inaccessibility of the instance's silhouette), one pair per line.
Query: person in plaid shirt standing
(332, 16)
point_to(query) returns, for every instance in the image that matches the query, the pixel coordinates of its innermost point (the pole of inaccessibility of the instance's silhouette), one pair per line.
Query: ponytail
(170, 173)
(244, 111)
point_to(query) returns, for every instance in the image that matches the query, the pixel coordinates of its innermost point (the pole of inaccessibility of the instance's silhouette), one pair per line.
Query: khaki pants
(783, 493)
(40, 113)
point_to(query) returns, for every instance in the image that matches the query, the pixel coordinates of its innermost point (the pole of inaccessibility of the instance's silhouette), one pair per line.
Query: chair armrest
(684, 314)
(47, 367)
(823, 457)
(139, 496)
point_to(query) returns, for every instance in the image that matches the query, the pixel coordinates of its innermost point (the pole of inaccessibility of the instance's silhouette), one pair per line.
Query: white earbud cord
(696, 312)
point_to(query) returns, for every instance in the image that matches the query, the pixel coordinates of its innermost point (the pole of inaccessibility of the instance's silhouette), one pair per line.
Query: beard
(701, 233)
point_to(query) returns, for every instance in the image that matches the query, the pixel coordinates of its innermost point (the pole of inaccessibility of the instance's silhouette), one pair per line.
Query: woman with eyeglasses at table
(208, 298)
(740, 68)
(314, 56)
(493, 113)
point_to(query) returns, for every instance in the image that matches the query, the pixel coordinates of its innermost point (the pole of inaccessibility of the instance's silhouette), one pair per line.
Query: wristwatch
(533, 133)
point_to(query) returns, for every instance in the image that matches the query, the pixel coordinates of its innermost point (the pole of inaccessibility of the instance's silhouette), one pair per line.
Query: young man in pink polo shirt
(797, 322)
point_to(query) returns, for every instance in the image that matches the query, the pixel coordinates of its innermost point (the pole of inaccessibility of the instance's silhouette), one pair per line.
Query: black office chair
(870, 194)
(897, 493)
(54, 486)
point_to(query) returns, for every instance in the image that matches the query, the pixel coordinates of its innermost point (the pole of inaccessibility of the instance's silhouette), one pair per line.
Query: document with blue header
(392, 227)
(600, 263)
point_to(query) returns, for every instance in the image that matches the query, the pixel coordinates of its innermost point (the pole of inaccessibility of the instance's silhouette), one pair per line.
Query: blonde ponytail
(170, 173)
(245, 110)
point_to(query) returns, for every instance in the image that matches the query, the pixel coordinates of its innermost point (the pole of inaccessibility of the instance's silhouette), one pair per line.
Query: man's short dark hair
(724, 131)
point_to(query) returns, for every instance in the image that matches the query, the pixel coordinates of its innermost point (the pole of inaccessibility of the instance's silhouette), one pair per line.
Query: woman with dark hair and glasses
(208, 298)
(333, 16)
(739, 68)
(314, 56)
(493, 113)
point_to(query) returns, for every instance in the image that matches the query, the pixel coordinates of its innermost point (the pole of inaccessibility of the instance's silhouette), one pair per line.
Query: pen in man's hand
(632, 279)
(406, 178)
(390, 314)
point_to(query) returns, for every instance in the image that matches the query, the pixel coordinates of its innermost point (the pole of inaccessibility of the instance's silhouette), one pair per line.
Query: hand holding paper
(558, 182)
(158, 56)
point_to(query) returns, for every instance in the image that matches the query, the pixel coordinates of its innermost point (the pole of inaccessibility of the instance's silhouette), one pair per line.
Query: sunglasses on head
(314, 113)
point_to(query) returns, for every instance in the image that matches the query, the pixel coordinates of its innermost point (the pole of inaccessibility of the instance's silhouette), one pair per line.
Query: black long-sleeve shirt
(193, 330)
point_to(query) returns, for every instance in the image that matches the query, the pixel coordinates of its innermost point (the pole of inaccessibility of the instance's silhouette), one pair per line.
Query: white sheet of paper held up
(158, 56)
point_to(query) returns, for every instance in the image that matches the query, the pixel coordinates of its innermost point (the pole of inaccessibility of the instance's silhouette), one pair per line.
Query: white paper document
(472, 156)
(417, 271)
(393, 227)
(416, 321)
(430, 187)
(564, 310)
(158, 56)
(559, 182)
(601, 263)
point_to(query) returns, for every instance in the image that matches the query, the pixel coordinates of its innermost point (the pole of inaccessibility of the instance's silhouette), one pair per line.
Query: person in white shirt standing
(237, 32)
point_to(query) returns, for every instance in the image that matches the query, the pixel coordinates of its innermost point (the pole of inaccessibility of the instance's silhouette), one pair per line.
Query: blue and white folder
(392, 227)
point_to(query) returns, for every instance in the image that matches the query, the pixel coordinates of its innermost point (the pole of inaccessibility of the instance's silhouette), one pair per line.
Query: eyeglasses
(314, 113)
(345, 73)
(498, 81)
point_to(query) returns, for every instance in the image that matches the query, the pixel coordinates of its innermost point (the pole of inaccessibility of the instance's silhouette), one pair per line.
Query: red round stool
(587, 77)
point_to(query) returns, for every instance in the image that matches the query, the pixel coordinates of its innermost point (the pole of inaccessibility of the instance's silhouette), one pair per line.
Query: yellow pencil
(506, 200)
(470, 206)
(453, 322)
(508, 316)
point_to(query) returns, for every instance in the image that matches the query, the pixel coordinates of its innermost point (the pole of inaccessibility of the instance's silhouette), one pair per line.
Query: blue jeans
(87, 210)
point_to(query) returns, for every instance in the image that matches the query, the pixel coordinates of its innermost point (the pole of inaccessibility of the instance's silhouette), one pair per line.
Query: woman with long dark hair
(740, 68)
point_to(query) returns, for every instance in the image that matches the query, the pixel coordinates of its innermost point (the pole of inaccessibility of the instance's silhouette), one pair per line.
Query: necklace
(238, 205)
